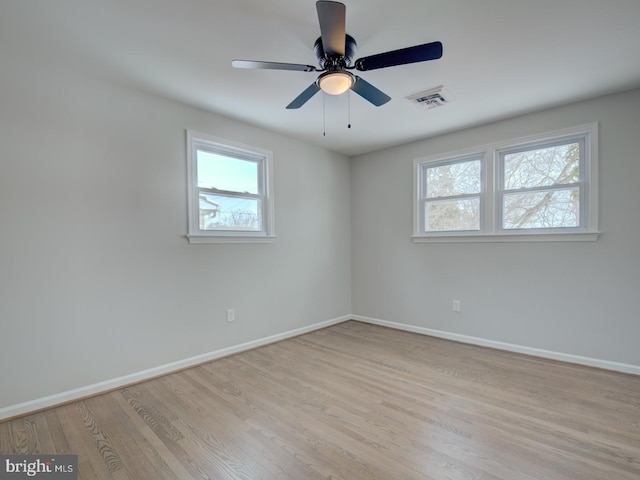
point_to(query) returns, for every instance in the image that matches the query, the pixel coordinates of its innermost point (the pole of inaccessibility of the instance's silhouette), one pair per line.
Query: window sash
(259, 197)
(451, 201)
(551, 204)
(426, 200)
(501, 192)
(242, 217)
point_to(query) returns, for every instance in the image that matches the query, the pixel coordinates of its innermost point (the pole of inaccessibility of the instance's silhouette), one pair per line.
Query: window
(541, 187)
(538, 188)
(452, 192)
(230, 193)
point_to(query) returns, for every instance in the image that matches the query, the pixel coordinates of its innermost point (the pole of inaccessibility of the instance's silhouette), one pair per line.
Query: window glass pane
(442, 216)
(548, 209)
(219, 212)
(453, 179)
(227, 173)
(542, 167)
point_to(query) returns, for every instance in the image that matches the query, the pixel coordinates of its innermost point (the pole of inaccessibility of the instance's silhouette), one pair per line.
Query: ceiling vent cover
(433, 98)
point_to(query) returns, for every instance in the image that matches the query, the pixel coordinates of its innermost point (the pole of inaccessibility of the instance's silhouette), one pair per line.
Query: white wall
(578, 299)
(96, 278)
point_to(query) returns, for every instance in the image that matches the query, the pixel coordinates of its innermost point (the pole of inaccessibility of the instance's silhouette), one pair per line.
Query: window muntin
(229, 191)
(539, 188)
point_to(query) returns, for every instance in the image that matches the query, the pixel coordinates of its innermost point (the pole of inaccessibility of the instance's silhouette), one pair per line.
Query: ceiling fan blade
(304, 97)
(369, 92)
(331, 16)
(417, 53)
(272, 65)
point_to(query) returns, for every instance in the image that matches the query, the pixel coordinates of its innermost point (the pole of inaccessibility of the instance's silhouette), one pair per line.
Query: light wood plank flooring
(353, 401)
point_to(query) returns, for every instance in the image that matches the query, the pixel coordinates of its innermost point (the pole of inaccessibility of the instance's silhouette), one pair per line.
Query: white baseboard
(49, 401)
(32, 406)
(536, 352)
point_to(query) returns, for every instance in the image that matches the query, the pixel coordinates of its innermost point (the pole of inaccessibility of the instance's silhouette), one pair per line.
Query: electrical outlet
(231, 315)
(456, 306)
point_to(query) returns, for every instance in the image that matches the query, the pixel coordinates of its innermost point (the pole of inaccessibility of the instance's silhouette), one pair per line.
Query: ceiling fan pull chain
(324, 115)
(349, 108)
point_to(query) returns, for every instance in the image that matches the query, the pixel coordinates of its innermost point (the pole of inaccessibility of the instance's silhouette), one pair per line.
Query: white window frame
(199, 141)
(491, 196)
(423, 200)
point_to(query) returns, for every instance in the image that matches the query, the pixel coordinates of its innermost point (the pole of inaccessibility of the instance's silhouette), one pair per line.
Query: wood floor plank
(104, 447)
(353, 402)
(80, 442)
(111, 412)
(7, 439)
(56, 432)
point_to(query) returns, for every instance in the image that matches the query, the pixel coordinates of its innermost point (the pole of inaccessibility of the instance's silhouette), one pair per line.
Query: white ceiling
(501, 57)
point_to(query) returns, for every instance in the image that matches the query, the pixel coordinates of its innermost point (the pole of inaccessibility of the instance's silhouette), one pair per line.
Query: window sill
(508, 237)
(210, 239)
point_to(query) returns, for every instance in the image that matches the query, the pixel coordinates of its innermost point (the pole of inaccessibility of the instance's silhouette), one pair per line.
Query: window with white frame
(538, 188)
(230, 191)
(541, 186)
(452, 195)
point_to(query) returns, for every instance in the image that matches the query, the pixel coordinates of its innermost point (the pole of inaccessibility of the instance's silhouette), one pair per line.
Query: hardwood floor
(353, 401)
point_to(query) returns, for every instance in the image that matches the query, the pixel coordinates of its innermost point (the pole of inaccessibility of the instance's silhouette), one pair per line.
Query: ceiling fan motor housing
(335, 62)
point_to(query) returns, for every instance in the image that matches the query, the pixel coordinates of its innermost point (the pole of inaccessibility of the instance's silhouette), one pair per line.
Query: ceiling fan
(335, 50)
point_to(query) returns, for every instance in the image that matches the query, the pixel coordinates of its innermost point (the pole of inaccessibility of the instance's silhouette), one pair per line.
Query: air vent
(433, 98)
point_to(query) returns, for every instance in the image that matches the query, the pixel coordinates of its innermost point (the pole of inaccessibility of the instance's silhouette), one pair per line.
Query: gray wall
(96, 278)
(575, 298)
(98, 282)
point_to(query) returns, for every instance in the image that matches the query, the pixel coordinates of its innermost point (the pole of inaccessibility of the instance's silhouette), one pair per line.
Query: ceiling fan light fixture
(335, 83)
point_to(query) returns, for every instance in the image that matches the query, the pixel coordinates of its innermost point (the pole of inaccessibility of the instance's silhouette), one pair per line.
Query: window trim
(490, 222)
(265, 178)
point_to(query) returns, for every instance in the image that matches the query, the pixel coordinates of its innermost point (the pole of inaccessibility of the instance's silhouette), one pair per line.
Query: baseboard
(32, 406)
(536, 352)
